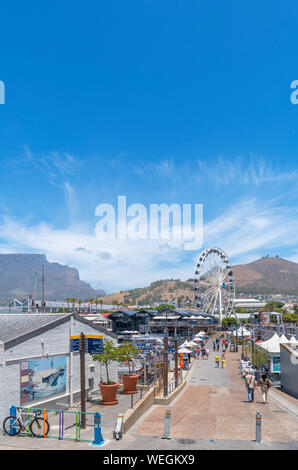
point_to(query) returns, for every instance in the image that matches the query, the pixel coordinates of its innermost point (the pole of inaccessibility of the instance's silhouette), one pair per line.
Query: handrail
(148, 385)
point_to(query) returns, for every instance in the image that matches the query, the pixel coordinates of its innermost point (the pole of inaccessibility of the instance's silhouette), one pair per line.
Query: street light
(166, 366)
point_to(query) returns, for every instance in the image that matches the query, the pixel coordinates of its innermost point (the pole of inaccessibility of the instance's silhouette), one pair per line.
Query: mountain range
(18, 274)
(268, 275)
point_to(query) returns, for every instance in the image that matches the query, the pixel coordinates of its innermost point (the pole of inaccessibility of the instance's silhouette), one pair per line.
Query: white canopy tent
(198, 340)
(242, 331)
(283, 339)
(293, 341)
(272, 345)
(192, 343)
(184, 351)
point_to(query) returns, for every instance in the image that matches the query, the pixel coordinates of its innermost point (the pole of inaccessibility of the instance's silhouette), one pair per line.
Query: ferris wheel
(214, 284)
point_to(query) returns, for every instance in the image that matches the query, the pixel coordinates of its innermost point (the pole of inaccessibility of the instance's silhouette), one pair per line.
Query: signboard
(276, 364)
(75, 343)
(94, 344)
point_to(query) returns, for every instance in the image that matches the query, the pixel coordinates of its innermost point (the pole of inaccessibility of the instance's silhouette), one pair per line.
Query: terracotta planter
(109, 393)
(130, 383)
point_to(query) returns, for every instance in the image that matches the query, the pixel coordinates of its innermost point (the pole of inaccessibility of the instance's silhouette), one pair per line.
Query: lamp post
(165, 356)
(176, 354)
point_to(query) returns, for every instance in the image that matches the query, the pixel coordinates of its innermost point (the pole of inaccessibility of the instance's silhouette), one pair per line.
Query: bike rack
(97, 440)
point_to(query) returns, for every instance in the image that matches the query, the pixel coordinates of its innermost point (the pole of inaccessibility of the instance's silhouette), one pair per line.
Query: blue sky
(164, 102)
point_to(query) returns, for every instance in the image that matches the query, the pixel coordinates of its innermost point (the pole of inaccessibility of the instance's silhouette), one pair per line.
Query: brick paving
(218, 408)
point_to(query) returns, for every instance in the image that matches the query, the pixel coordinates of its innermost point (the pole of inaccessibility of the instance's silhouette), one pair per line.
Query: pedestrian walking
(203, 353)
(251, 385)
(217, 347)
(223, 361)
(214, 345)
(217, 358)
(265, 384)
(198, 353)
(207, 352)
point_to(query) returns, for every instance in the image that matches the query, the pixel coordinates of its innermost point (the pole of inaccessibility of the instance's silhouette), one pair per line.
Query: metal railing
(138, 395)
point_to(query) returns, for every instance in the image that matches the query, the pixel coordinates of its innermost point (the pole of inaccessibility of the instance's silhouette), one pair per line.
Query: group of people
(202, 351)
(216, 346)
(252, 383)
(222, 359)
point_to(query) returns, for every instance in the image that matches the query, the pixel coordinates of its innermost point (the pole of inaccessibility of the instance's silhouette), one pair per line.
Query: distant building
(248, 303)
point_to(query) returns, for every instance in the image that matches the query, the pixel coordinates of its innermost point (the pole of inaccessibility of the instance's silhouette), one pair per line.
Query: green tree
(110, 354)
(163, 307)
(260, 357)
(127, 352)
(229, 321)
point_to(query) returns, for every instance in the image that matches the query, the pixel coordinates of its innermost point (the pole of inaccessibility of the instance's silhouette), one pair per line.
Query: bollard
(167, 425)
(117, 434)
(258, 427)
(98, 439)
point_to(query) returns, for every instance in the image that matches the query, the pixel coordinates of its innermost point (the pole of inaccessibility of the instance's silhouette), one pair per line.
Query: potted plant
(108, 389)
(126, 354)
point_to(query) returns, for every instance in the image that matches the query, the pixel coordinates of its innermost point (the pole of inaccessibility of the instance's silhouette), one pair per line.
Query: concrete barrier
(167, 400)
(132, 415)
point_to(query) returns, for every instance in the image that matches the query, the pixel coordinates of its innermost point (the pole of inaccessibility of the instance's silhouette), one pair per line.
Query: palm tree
(67, 300)
(79, 302)
(101, 303)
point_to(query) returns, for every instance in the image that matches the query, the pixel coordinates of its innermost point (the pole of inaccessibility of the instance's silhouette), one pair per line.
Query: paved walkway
(211, 413)
(214, 406)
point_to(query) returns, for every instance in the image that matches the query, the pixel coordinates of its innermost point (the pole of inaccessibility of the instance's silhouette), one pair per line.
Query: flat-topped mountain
(18, 278)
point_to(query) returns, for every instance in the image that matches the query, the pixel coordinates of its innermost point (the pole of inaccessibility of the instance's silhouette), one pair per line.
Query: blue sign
(75, 343)
(276, 364)
(94, 345)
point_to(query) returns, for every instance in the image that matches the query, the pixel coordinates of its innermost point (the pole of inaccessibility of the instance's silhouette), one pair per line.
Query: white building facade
(35, 349)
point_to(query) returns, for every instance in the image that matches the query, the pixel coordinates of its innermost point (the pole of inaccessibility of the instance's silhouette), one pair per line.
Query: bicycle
(25, 421)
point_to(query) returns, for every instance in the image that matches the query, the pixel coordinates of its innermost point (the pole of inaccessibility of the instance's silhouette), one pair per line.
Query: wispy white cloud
(163, 169)
(245, 230)
(253, 170)
(251, 226)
